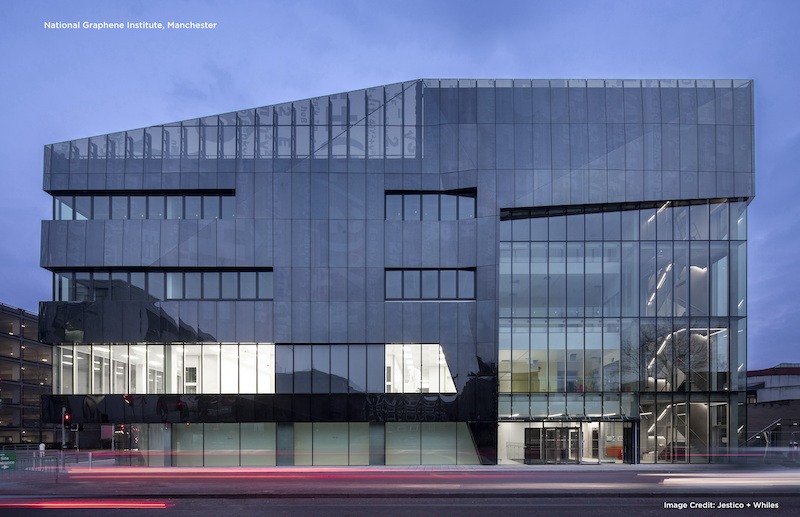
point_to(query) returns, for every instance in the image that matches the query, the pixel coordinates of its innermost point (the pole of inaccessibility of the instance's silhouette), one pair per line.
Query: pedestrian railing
(16, 464)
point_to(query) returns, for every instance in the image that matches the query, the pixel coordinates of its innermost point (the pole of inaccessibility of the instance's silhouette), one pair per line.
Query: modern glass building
(429, 272)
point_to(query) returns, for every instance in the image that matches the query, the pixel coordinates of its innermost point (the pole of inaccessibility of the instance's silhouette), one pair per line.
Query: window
(430, 206)
(68, 208)
(430, 284)
(245, 368)
(162, 285)
(417, 368)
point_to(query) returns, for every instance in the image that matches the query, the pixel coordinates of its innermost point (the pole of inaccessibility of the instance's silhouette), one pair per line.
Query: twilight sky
(62, 84)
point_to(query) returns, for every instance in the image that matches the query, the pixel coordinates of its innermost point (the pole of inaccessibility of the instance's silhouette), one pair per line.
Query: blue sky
(65, 84)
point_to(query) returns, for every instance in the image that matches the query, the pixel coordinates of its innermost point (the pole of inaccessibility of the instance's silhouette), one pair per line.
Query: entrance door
(533, 446)
(628, 443)
(562, 444)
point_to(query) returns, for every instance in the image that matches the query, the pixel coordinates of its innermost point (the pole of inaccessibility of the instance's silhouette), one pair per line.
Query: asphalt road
(386, 491)
(394, 507)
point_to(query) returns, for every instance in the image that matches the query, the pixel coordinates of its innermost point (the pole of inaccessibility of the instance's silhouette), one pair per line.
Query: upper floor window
(430, 206)
(430, 284)
(155, 285)
(80, 208)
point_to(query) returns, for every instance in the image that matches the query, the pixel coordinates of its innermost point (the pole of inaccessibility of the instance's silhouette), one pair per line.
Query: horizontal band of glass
(231, 368)
(155, 285)
(585, 406)
(614, 277)
(344, 125)
(716, 219)
(317, 443)
(503, 101)
(577, 279)
(430, 206)
(593, 355)
(81, 208)
(430, 284)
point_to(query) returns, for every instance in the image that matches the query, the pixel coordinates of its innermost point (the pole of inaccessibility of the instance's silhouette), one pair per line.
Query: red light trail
(87, 505)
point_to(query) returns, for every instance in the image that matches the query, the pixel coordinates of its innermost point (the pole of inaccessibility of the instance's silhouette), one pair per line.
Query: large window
(622, 298)
(430, 284)
(167, 206)
(221, 284)
(417, 368)
(148, 368)
(430, 206)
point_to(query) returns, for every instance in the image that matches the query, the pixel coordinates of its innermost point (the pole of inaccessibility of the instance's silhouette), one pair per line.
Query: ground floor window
(299, 443)
(556, 442)
(691, 428)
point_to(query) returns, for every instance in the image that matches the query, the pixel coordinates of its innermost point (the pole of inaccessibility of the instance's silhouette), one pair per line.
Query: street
(398, 491)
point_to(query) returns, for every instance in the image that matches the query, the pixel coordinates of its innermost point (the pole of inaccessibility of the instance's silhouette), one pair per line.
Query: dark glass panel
(210, 285)
(284, 366)
(138, 286)
(174, 207)
(120, 289)
(338, 368)
(699, 222)
(193, 285)
(594, 226)
(119, 207)
(375, 371)
(447, 284)
(411, 207)
(155, 207)
(357, 368)
(193, 208)
(229, 285)
(558, 228)
(211, 207)
(449, 207)
(138, 207)
(430, 207)
(699, 280)
(155, 284)
(411, 284)
(430, 284)
(466, 207)
(320, 368)
(83, 208)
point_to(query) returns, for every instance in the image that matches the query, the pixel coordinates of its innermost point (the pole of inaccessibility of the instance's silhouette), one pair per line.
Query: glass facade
(25, 375)
(233, 368)
(545, 270)
(599, 303)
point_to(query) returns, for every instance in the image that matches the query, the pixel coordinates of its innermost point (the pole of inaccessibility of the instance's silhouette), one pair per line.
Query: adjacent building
(25, 375)
(773, 408)
(429, 272)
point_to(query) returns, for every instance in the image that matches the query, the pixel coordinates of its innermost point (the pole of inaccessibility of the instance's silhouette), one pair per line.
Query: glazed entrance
(538, 443)
(553, 445)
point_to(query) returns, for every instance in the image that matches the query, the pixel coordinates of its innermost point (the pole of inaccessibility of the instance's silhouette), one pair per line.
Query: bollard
(90, 461)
